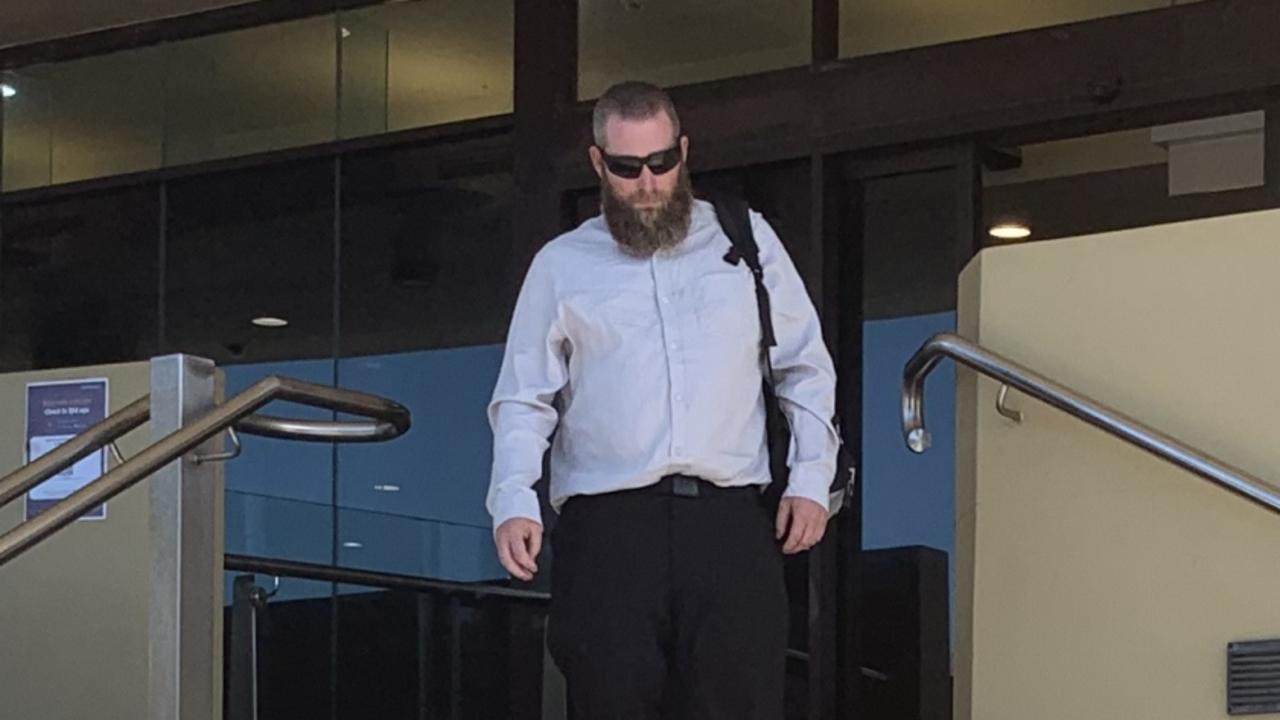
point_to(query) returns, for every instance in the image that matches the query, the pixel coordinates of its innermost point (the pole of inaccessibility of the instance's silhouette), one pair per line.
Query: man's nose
(648, 181)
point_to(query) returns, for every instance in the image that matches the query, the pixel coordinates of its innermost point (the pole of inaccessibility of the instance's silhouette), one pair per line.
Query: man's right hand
(518, 541)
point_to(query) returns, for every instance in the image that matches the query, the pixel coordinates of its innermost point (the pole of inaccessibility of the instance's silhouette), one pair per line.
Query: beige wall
(75, 609)
(1095, 581)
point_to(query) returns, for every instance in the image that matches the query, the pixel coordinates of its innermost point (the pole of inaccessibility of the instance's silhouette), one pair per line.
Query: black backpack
(733, 215)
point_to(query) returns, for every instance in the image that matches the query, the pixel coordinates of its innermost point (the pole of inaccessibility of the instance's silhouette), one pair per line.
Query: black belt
(692, 487)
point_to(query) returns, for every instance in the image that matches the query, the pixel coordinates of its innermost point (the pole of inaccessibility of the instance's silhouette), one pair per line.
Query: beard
(641, 232)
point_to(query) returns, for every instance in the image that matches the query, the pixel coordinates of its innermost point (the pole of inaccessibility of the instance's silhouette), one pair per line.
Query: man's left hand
(802, 522)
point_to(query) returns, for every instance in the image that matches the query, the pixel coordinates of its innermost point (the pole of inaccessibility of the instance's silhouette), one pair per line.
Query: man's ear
(597, 160)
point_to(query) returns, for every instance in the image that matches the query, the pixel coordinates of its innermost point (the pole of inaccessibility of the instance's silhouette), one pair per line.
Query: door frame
(838, 668)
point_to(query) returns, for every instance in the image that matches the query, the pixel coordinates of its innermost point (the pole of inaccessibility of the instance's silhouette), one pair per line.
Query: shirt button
(673, 346)
(679, 397)
(678, 450)
(665, 300)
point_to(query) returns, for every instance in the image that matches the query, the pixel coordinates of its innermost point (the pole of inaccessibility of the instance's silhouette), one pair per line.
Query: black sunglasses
(630, 166)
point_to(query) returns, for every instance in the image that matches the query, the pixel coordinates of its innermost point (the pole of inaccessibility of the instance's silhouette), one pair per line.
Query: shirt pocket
(727, 307)
(610, 318)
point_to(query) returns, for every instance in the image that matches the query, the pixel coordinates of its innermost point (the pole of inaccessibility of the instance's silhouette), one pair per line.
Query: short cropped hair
(631, 100)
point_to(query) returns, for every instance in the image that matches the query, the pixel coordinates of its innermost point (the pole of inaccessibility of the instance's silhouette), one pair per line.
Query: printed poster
(57, 412)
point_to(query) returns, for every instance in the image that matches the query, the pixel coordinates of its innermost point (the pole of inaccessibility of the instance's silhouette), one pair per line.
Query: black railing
(384, 645)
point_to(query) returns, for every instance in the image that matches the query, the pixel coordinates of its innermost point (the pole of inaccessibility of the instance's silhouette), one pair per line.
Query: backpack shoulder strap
(735, 220)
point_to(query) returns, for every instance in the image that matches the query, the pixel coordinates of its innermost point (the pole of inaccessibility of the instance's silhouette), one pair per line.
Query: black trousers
(669, 602)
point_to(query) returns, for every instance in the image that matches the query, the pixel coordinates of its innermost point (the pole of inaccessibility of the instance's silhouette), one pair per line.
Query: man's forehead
(638, 137)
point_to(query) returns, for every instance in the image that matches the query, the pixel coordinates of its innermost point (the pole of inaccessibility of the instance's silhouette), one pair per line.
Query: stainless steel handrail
(388, 420)
(118, 424)
(319, 430)
(1079, 406)
(138, 413)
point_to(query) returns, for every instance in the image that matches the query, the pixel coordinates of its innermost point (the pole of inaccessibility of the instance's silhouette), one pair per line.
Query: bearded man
(638, 346)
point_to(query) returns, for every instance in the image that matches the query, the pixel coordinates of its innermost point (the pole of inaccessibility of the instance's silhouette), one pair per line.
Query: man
(638, 343)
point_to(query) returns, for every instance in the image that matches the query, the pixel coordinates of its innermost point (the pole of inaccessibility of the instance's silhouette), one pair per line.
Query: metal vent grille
(1253, 677)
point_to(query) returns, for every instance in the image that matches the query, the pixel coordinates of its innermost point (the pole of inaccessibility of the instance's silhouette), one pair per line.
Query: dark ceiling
(28, 22)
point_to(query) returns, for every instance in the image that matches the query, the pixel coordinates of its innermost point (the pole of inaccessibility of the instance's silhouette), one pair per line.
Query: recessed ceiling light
(1010, 231)
(352, 544)
(386, 487)
(7, 90)
(270, 322)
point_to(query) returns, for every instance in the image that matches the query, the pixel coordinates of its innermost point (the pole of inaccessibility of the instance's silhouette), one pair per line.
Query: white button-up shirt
(649, 367)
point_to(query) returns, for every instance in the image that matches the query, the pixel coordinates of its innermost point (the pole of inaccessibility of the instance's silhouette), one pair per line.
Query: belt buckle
(684, 486)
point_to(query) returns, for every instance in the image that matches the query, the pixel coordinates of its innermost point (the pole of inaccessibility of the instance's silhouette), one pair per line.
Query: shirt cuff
(511, 503)
(811, 484)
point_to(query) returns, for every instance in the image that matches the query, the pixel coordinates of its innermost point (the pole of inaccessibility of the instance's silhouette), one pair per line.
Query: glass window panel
(364, 104)
(257, 478)
(250, 91)
(874, 26)
(391, 542)
(249, 245)
(252, 244)
(79, 280)
(107, 114)
(440, 470)
(405, 65)
(414, 64)
(259, 525)
(426, 293)
(424, 257)
(279, 493)
(33, 23)
(27, 127)
(678, 43)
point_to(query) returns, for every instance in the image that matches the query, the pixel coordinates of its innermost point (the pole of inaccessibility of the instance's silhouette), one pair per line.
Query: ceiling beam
(1094, 76)
(152, 32)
